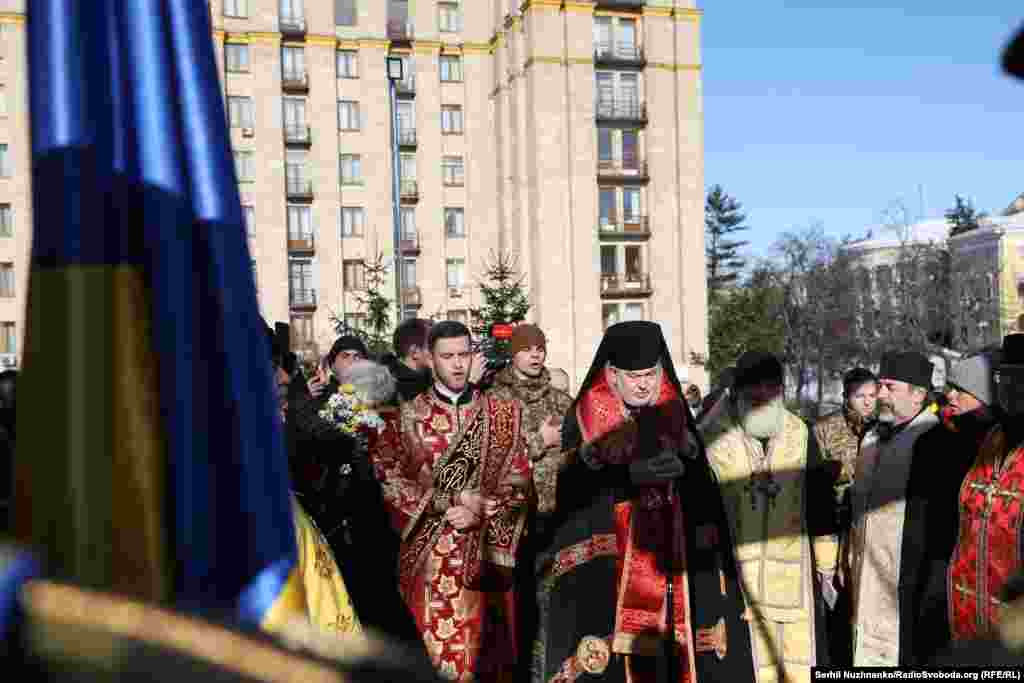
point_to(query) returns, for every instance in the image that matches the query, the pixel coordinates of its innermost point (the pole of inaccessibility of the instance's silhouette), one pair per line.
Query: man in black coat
(619, 549)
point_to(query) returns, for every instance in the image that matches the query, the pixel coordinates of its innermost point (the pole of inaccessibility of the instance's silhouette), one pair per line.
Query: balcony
(295, 81)
(625, 285)
(409, 244)
(407, 86)
(299, 190)
(619, 55)
(292, 27)
(407, 137)
(411, 296)
(302, 299)
(301, 244)
(623, 170)
(627, 228)
(400, 30)
(408, 191)
(623, 112)
(298, 136)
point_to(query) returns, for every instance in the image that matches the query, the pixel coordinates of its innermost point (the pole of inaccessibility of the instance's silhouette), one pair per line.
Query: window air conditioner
(248, 132)
(454, 293)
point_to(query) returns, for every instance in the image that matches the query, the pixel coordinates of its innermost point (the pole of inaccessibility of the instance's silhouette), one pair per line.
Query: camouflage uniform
(839, 436)
(540, 401)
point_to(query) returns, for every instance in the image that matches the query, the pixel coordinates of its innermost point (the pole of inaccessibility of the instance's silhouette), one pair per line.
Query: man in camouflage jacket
(527, 380)
(839, 436)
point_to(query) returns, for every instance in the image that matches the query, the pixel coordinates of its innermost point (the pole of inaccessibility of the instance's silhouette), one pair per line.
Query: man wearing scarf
(989, 549)
(638, 581)
(886, 544)
(778, 497)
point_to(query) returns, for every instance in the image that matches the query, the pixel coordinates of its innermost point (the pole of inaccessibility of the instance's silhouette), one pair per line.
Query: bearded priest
(638, 582)
(778, 495)
(887, 543)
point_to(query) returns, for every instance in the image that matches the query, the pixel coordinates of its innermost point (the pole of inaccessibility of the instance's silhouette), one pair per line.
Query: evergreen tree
(505, 301)
(722, 218)
(962, 217)
(376, 307)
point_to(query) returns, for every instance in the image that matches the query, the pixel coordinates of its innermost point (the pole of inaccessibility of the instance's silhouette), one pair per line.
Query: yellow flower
(348, 389)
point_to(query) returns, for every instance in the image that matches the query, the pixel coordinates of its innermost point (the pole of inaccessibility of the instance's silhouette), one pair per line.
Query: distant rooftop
(934, 230)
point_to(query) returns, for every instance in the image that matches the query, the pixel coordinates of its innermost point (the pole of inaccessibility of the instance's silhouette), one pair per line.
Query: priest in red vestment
(638, 577)
(456, 477)
(989, 547)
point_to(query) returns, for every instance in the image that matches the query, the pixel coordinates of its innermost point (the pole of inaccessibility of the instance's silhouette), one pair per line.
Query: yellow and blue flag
(150, 460)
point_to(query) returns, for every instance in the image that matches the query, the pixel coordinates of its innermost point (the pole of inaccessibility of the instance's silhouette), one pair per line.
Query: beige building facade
(567, 133)
(988, 281)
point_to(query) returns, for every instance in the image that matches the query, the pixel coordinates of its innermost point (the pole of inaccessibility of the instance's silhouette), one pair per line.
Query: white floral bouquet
(349, 412)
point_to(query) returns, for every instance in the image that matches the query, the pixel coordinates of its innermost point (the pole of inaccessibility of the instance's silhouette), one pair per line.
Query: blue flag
(150, 459)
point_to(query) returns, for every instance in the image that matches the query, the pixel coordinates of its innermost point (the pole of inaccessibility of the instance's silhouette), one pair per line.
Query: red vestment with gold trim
(988, 550)
(458, 584)
(648, 531)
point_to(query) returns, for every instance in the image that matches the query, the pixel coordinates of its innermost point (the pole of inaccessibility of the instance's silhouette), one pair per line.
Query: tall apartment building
(568, 133)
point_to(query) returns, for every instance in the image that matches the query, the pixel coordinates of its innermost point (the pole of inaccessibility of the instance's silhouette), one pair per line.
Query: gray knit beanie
(974, 375)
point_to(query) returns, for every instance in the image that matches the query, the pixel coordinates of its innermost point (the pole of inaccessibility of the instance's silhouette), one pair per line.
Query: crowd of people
(638, 531)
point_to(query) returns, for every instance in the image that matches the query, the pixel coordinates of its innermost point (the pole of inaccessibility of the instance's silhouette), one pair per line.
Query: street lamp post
(396, 69)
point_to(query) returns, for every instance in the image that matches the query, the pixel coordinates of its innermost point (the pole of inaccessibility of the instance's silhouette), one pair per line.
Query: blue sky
(819, 111)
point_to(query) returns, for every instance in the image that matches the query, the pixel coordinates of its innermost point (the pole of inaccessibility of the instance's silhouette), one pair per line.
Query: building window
(236, 57)
(301, 328)
(293, 64)
(300, 223)
(451, 68)
(345, 12)
(352, 220)
(409, 273)
(355, 321)
(607, 203)
(236, 8)
(245, 167)
(6, 280)
(240, 112)
(406, 122)
(615, 36)
(449, 17)
(617, 313)
(408, 218)
(295, 172)
(456, 273)
(460, 315)
(5, 162)
(354, 275)
(634, 264)
(454, 225)
(407, 167)
(292, 11)
(452, 171)
(351, 169)
(618, 94)
(348, 64)
(300, 281)
(249, 213)
(349, 117)
(8, 338)
(295, 118)
(451, 119)
(6, 221)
